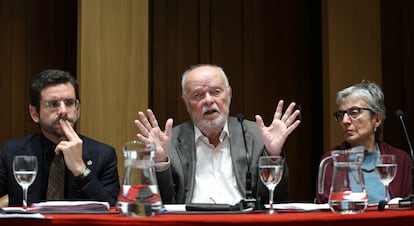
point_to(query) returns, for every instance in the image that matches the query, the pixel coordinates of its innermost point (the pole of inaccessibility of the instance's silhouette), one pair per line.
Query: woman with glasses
(361, 115)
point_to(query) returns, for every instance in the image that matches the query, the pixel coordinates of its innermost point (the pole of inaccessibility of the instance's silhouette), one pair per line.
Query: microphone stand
(400, 115)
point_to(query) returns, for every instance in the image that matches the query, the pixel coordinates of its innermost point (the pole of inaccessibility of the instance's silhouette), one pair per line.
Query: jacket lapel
(238, 152)
(187, 154)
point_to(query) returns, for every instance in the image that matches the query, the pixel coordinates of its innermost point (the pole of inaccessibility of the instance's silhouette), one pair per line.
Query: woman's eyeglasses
(352, 112)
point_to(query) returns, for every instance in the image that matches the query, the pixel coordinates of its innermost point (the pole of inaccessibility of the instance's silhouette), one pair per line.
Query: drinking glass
(386, 168)
(271, 171)
(24, 170)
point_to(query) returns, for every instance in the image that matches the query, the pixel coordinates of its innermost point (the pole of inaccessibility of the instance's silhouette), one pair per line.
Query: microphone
(399, 113)
(249, 194)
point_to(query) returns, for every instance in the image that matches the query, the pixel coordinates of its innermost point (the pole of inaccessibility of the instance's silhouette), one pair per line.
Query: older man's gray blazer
(176, 184)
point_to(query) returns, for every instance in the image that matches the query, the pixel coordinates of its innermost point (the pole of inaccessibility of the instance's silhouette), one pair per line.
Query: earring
(375, 129)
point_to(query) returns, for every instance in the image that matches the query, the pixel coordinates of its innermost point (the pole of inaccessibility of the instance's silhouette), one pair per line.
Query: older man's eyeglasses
(53, 105)
(352, 112)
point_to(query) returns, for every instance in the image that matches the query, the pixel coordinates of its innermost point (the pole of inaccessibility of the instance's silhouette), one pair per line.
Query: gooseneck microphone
(399, 113)
(250, 202)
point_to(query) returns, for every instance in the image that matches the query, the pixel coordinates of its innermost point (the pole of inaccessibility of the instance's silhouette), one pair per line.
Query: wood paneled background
(34, 35)
(112, 68)
(397, 35)
(270, 50)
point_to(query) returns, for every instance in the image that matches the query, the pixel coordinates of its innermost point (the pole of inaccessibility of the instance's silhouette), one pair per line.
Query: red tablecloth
(368, 218)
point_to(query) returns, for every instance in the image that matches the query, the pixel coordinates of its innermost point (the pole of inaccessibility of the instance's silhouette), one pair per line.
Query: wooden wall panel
(112, 68)
(6, 36)
(175, 34)
(266, 48)
(34, 35)
(351, 38)
(397, 34)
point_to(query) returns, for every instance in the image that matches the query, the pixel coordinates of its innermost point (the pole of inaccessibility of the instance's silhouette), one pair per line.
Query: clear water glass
(25, 170)
(271, 172)
(386, 169)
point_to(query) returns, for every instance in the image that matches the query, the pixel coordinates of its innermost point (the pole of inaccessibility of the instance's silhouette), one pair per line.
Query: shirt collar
(48, 146)
(224, 133)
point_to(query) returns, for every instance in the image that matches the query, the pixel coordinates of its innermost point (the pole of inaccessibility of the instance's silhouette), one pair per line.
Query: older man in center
(205, 160)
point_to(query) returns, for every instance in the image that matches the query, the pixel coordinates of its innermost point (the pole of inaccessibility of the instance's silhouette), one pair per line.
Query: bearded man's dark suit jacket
(177, 183)
(102, 183)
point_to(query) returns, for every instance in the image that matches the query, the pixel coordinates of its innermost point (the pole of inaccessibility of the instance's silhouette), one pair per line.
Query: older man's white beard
(217, 123)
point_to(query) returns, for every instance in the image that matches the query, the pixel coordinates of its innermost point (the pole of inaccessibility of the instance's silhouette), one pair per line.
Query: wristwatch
(82, 179)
